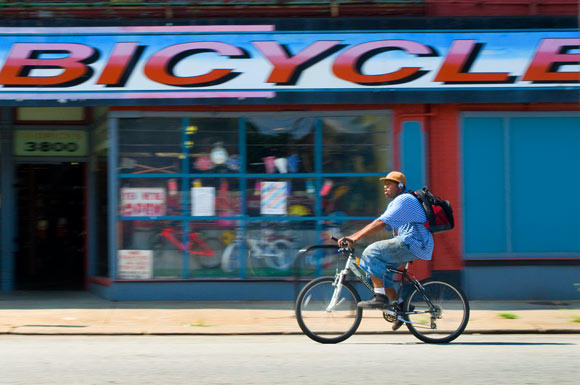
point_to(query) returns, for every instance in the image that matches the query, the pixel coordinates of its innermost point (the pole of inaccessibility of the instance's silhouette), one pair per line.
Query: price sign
(137, 202)
(50, 143)
(135, 264)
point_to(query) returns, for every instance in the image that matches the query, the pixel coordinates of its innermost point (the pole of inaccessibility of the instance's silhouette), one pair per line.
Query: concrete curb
(281, 333)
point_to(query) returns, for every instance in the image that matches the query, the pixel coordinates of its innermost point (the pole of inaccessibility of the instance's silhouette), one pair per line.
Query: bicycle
(433, 311)
(276, 254)
(208, 251)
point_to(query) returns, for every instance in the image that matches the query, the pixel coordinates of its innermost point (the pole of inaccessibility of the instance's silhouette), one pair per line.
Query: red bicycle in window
(208, 251)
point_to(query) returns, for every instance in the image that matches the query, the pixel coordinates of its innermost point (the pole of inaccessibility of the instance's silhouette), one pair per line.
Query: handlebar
(344, 246)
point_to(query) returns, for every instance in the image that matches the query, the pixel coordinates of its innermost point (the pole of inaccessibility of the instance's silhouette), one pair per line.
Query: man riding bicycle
(405, 217)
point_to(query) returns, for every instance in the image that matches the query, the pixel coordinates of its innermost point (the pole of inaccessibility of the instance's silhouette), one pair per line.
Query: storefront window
(206, 245)
(161, 240)
(286, 197)
(213, 145)
(150, 146)
(201, 208)
(352, 196)
(214, 197)
(358, 144)
(280, 145)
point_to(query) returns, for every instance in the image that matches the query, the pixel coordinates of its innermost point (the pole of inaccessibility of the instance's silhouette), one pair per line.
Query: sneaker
(398, 323)
(379, 301)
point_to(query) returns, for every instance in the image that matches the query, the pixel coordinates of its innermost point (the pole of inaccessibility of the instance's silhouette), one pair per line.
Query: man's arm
(373, 227)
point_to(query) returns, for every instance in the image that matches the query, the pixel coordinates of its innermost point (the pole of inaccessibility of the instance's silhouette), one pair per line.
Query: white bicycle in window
(270, 252)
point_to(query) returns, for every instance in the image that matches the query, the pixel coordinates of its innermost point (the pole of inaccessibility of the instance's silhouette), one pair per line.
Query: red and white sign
(135, 264)
(257, 61)
(142, 202)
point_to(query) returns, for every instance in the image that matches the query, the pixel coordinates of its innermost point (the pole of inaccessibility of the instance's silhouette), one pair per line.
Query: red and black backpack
(439, 212)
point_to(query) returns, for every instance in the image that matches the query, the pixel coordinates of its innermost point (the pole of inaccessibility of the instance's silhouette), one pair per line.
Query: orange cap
(396, 176)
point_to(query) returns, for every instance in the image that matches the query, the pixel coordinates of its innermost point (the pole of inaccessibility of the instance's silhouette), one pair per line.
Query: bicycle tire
(282, 255)
(452, 305)
(230, 261)
(211, 261)
(328, 327)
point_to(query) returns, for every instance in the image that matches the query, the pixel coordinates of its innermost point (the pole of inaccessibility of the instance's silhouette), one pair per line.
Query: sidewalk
(82, 313)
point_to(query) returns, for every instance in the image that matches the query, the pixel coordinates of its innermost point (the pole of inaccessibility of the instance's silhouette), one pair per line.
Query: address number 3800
(50, 146)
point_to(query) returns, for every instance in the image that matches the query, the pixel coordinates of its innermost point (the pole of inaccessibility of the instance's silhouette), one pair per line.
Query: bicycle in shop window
(326, 308)
(206, 250)
(270, 251)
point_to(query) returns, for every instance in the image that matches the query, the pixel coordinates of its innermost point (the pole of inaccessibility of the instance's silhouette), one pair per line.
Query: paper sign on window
(142, 202)
(202, 201)
(273, 196)
(135, 264)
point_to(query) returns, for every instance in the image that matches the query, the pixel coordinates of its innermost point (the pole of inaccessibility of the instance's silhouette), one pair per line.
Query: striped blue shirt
(406, 215)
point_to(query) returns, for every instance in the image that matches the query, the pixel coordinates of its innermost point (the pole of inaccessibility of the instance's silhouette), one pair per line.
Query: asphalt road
(471, 359)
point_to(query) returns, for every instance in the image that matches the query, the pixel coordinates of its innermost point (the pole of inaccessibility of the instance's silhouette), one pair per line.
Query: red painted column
(405, 113)
(444, 164)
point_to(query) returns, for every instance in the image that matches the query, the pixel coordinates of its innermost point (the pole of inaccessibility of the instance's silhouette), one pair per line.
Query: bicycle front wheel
(318, 320)
(213, 258)
(441, 319)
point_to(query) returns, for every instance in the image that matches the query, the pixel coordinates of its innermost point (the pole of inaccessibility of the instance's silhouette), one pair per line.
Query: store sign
(50, 143)
(135, 264)
(256, 61)
(142, 202)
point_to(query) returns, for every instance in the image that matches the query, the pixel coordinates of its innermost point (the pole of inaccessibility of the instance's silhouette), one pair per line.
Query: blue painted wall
(413, 154)
(520, 183)
(520, 205)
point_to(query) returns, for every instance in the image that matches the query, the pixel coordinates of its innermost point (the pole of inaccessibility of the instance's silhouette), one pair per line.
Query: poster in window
(273, 197)
(203, 201)
(142, 202)
(135, 264)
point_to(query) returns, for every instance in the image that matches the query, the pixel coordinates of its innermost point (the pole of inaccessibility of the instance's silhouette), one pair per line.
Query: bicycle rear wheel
(445, 320)
(324, 325)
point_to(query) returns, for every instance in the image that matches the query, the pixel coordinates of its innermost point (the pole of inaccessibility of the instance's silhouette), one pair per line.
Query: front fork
(338, 279)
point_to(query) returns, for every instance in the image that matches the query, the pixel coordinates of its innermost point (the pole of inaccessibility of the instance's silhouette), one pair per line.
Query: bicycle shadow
(482, 343)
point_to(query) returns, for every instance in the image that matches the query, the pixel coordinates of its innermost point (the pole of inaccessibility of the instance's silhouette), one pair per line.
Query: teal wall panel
(413, 154)
(545, 184)
(484, 197)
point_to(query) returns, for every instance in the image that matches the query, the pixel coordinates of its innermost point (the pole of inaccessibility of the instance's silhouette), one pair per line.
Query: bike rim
(446, 322)
(325, 324)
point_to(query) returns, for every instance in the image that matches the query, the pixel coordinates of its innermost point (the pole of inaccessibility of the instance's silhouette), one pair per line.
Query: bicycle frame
(194, 239)
(352, 266)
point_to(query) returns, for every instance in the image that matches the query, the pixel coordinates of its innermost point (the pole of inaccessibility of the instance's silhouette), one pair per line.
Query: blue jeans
(380, 255)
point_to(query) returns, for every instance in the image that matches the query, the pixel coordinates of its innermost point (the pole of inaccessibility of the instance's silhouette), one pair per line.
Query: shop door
(50, 226)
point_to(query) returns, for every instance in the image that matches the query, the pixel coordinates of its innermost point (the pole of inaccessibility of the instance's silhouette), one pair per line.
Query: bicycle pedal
(389, 312)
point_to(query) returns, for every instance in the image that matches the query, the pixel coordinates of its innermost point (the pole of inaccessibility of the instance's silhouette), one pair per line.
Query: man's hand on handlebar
(344, 241)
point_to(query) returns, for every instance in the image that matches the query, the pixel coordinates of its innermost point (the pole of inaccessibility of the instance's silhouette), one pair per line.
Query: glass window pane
(353, 197)
(280, 145)
(356, 144)
(299, 194)
(207, 243)
(161, 239)
(215, 196)
(151, 145)
(213, 145)
(272, 246)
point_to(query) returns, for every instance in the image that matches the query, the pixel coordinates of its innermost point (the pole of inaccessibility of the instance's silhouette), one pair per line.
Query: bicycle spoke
(323, 318)
(442, 318)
